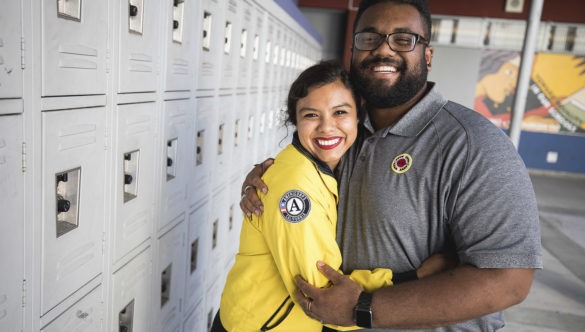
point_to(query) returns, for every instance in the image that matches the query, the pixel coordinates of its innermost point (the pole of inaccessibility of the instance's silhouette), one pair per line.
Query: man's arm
(457, 295)
(250, 202)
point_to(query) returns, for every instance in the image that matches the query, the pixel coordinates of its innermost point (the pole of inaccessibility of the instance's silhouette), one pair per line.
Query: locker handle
(62, 177)
(169, 162)
(175, 24)
(133, 10)
(63, 205)
(128, 179)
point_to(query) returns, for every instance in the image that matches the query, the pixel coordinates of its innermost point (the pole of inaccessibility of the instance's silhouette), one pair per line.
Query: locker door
(245, 48)
(10, 66)
(11, 223)
(196, 319)
(170, 278)
(134, 181)
(225, 141)
(138, 45)
(231, 41)
(179, 117)
(240, 131)
(131, 291)
(259, 44)
(73, 201)
(74, 47)
(212, 32)
(181, 23)
(198, 249)
(204, 151)
(87, 315)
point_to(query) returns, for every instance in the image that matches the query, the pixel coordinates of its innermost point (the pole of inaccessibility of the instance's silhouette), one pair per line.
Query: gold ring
(247, 188)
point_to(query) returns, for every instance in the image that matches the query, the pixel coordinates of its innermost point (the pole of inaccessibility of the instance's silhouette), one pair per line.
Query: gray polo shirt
(441, 178)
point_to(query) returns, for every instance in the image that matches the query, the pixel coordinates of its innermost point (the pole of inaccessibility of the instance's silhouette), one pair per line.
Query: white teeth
(328, 142)
(384, 69)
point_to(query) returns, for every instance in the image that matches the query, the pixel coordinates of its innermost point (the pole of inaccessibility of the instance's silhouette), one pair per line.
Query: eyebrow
(372, 29)
(307, 109)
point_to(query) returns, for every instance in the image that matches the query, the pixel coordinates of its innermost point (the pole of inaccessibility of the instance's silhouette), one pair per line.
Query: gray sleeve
(495, 221)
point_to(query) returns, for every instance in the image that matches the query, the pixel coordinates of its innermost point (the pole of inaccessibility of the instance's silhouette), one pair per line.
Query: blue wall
(570, 148)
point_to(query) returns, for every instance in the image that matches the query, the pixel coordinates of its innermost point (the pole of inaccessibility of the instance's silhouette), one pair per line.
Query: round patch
(295, 206)
(401, 163)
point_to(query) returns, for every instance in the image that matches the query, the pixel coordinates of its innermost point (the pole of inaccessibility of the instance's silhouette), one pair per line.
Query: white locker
(181, 27)
(218, 235)
(132, 295)
(74, 47)
(11, 223)
(204, 152)
(225, 141)
(245, 48)
(231, 42)
(176, 155)
(240, 140)
(259, 45)
(212, 300)
(73, 201)
(198, 248)
(212, 16)
(138, 44)
(235, 220)
(87, 315)
(10, 62)
(195, 321)
(135, 161)
(250, 154)
(270, 50)
(169, 278)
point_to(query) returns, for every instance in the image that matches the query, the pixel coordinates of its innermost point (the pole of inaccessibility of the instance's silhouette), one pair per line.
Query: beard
(376, 91)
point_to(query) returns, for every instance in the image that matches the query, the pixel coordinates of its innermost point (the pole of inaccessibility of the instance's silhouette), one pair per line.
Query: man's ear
(429, 51)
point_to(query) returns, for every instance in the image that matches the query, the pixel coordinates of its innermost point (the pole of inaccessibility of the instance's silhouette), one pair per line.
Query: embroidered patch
(295, 206)
(401, 163)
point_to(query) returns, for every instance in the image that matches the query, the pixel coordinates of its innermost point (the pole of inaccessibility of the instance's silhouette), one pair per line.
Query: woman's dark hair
(322, 73)
(420, 5)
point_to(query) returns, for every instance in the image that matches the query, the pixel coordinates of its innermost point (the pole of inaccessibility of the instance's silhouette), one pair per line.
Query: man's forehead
(399, 17)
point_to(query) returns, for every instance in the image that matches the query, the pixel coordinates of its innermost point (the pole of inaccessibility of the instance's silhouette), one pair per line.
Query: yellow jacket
(296, 229)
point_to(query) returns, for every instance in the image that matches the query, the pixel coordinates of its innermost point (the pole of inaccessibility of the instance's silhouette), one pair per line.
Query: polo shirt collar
(416, 119)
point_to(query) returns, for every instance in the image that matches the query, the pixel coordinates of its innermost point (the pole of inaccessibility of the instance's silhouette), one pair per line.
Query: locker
(178, 127)
(240, 146)
(204, 151)
(138, 56)
(198, 248)
(250, 154)
(212, 18)
(12, 222)
(74, 47)
(269, 50)
(10, 63)
(169, 278)
(195, 321)
(225, 141)
(134, 188)
(87, 315)
(259, 45)
(212, 300)
(181, 23)
(218, 235)
(231, 42)
(131, 293)
(246, 44)
(73, 201)
(235, 220)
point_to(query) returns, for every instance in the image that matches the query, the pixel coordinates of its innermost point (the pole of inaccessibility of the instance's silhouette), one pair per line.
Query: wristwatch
(362, 313)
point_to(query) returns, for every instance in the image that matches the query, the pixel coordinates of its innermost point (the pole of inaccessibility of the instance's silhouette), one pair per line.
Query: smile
(384, 69)
(328, 143)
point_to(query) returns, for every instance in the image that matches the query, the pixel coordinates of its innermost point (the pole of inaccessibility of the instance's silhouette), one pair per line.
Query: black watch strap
(363, 311)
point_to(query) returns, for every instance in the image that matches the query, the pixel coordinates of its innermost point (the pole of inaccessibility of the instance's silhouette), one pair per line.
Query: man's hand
(333, 305)
(250, 202)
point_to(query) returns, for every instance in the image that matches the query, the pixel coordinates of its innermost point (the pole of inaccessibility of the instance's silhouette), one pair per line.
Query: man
(426, 175)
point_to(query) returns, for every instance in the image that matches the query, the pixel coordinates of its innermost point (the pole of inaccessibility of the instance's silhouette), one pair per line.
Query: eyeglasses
(398, 41)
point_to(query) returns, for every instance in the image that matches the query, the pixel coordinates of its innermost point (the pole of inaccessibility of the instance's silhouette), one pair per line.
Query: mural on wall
(556, 97)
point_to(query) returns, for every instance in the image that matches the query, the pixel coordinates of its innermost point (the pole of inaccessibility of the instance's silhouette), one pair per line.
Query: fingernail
(262, 207)
(264, 190)
(256, 212)
(320, 264)
(249, 215)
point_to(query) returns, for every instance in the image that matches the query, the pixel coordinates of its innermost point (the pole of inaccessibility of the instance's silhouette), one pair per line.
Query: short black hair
(322, 73)
(420, 5)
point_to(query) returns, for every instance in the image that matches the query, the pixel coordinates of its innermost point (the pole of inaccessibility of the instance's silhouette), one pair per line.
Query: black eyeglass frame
(385, 38)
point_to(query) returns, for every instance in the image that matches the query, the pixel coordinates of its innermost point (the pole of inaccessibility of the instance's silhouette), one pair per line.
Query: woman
(297, 227)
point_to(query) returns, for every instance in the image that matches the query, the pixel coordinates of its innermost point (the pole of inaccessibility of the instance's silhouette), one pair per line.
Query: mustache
(382, 61)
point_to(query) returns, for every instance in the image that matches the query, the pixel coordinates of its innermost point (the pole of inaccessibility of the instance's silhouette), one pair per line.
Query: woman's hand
(250, 202)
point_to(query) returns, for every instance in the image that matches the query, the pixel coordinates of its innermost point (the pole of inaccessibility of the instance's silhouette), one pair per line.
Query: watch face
(363, 317)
